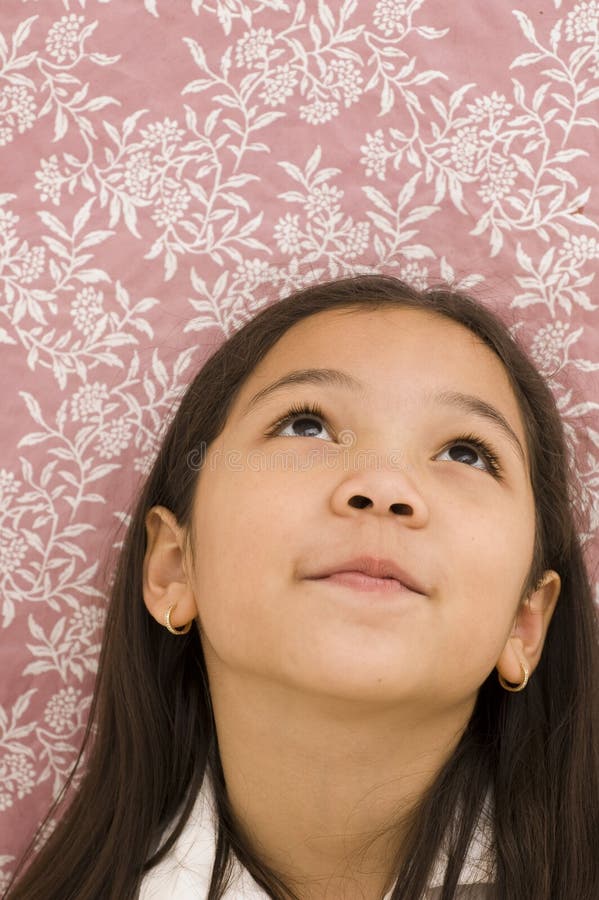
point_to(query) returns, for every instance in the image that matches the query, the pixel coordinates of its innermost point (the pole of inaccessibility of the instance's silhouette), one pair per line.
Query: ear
(527, 637)
(165, 581)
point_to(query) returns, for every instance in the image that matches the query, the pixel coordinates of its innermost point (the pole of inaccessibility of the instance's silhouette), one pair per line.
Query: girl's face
(274, 505)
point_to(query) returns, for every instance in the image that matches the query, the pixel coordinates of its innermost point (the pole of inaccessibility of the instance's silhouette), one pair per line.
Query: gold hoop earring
(523, 683)
(183, 629)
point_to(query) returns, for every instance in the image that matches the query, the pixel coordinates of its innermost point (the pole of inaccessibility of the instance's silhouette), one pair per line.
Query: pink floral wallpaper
(168, 168)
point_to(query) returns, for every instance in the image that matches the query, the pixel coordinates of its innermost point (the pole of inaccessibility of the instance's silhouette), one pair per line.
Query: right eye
(305, 416)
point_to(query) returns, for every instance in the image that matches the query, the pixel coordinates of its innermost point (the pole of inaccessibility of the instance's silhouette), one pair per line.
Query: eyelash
(312, 410)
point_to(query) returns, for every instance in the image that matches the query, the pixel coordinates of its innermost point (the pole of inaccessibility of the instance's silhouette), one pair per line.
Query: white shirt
(186, 871)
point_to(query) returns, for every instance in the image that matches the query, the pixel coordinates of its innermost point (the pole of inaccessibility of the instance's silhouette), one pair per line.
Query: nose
(381, 492)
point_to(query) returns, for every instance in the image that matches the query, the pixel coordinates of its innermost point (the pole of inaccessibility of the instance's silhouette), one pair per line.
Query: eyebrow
(336, 378)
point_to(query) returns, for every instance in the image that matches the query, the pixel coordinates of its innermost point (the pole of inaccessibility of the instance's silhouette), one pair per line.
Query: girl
(351, 650)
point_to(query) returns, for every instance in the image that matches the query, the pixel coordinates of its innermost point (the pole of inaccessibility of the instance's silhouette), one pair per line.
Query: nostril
(402, 509)
(360, 502)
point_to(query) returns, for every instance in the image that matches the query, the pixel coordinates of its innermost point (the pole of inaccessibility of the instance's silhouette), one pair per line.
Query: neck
(322, 788)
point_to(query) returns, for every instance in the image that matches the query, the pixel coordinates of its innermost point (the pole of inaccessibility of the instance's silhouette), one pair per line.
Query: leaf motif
(5, 338)
(387, 99)
(417, 251)
(382, 223)
(159, 370)
(313, 162)
(100, 103)
(101, 471)
(407, 191)
(526, 25)
(33, 407)
(93, 238)
(425, 77)
(54, 224)
(22, 32)
(35, 629)
(431, 34)
(194, 87)
(22, 704)
(267, 119)
(527, 59)
(61, 124)
(102, 60)
(315, 33)
(82, 216)
(91, 276)
(496, 240)
(379, 200)
(326, 16)
(293, 171)
(38, 668)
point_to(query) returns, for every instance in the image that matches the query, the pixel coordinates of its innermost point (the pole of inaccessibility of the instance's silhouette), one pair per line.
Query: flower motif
(86, 309)
(580, 248)
(5, 877)
(279, 86)
(8, 220)
(287, 234)
(493, 106)
(8, 484)
(355, 242)
(144, 463)
(322, 200)
(49, 180)
(61, 710)
(17, 105)
(114, 439)
(465, 148)
(497, 182)
(251, 273)
(62, 38)
(375, 155)
(414, 275)
(319, 111)
(15, 769)
(89, 619)
(138, 171)
(171, 207)
(6, 802)
(548, 345)
(32, 264)
(252, 48)
(342, 73)
(582, 23)
(6, 135)
(249, 276)
(165, 132)
(388, 15)
(13, 550)
(87, 401)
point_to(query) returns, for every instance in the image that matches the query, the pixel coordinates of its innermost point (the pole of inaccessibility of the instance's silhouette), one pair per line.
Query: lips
(374, 567)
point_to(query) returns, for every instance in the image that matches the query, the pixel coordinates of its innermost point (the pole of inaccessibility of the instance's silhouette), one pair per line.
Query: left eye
(459, 448)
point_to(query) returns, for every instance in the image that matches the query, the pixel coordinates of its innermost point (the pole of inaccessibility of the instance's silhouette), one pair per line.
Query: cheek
(490, 555)
(244, 517)
(243, 557)
(491, 537)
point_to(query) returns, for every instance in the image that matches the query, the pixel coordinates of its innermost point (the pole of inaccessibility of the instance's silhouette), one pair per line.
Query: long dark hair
(538, 749)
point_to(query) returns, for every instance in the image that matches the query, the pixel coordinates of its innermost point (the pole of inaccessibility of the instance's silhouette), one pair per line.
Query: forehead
(395, 353)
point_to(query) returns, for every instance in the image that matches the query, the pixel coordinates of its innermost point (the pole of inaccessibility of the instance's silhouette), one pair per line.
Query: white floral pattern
(143, 202)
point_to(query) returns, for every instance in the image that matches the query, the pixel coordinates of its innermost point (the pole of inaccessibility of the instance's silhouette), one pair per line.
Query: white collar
(185, 873)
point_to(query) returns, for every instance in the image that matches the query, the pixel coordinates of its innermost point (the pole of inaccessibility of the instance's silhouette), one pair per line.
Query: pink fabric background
(166, 169)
